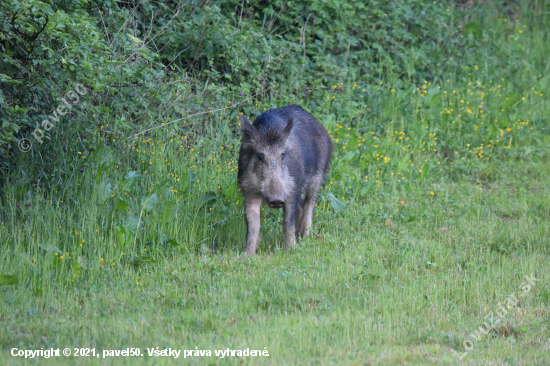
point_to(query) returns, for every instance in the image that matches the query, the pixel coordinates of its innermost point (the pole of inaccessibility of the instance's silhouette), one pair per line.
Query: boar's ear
(288, 128)
(243, 119)
(247, 129)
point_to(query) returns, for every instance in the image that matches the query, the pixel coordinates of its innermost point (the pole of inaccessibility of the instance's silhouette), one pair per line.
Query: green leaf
(207, 198)
(366, 189)
(329, 121)
(46, 8)
(371, 278)
(168, 212)
(21, 191)
(353, 142)
(6, 280)
(148, 260)
(122, 236)
(150, 202)
(511, 100)
(350, 155)
(408, 218)
(121, 205)
(335, 203)
(434, 90)
(131, 178)
(75, 271)
(473, 29)
(425, 171)
(172, 242)
(132, 222)
(433, 95)
(134, 39)
(99, 173)
(159, 186)
(403, 163)
(335, 176)
(144, 51)
(230, 188)
(104, 191)
(184, 183)
(131, 175)
(130, 185)
(493, 129)
(7, 79)
(337, 171)
(50, 249)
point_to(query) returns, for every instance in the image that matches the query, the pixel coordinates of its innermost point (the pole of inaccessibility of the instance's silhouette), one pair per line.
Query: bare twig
(347, 52)
(104, 27)
(274, 19)
(241, 16)
(150, 24)
(303, 36)
(251, 8)
(197, 114)
(176, 57)
(175, 81)
(123, 25)
(178, 8)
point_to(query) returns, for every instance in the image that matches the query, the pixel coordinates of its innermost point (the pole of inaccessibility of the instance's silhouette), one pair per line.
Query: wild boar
(284, 158)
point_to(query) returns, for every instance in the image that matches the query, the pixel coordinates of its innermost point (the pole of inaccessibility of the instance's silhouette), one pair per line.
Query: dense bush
(147, 62)
(321, 40)
(46, 50)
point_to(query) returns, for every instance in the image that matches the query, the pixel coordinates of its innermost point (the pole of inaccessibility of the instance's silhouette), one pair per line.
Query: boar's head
(265, 156)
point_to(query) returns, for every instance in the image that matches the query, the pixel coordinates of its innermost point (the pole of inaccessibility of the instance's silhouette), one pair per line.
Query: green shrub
(46, 49)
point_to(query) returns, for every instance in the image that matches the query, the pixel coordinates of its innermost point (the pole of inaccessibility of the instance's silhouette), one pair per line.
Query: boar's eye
(260, 156)
(283, 156)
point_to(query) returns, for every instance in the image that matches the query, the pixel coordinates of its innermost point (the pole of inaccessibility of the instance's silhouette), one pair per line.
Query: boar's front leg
(252, 214)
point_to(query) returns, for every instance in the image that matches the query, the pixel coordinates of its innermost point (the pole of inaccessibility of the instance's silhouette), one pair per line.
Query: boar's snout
(276, 202)
(274, 190)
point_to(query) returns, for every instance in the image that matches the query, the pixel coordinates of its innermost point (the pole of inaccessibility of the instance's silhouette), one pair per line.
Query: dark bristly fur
(283, 161)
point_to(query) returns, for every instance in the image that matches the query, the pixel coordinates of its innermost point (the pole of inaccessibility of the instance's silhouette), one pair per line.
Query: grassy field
(434, 213)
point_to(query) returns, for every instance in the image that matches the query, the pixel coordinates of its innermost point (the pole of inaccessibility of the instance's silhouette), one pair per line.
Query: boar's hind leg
(252, 214)
(299, 217)
(290, 211)
(307, 210)
(305, 223)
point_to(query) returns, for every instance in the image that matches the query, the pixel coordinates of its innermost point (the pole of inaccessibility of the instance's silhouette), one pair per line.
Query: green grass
(436, 208)
(361, 292)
